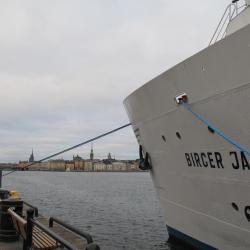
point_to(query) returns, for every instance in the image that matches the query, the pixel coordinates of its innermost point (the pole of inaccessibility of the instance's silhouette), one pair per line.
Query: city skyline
(91, 156)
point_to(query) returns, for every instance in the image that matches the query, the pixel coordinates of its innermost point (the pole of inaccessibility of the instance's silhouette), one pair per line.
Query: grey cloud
(66, 67)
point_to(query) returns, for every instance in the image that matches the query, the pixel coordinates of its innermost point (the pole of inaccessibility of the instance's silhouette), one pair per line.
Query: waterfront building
(99, 166)
(134, 165)
(58, 164)
(79, 163)
(88, 166)
(83, 165)
(8, 166)
(108, 165)
(37, 166)
(40, 166)
(119, 166)
(23, 164)
(69, 165)
(77, 158)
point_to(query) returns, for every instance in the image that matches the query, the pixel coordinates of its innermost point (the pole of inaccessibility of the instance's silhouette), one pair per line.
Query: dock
(69, 234)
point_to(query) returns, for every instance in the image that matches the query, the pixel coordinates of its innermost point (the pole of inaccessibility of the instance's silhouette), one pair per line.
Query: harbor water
(120, 210)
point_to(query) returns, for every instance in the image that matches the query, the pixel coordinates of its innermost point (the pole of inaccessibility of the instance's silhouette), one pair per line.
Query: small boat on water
(192, 124)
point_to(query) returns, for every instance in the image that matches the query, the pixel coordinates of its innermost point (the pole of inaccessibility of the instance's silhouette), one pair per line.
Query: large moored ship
(193, 126)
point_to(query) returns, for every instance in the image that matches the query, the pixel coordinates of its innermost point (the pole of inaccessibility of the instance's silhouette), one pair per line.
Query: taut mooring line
(73, 147)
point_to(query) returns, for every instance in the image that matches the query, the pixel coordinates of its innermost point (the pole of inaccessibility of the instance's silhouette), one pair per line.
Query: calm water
(120, 210)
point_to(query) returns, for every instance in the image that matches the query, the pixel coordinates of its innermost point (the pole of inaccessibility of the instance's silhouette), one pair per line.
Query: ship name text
(238, 160)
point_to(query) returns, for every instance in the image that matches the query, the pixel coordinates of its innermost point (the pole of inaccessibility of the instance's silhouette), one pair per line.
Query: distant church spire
(31, 159)
(109, 156)
(92, 153)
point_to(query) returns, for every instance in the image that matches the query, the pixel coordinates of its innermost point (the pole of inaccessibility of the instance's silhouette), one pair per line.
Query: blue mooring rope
(216, 130)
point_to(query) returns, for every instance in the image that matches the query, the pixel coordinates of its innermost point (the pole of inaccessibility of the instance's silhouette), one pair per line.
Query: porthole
(247, 213)
(178, 135)
(235, 207)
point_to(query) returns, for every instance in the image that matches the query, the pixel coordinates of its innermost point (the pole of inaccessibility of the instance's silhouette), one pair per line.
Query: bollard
(30, 216)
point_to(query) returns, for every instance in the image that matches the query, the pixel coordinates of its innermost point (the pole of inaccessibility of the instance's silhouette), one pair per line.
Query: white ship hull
(203, 182)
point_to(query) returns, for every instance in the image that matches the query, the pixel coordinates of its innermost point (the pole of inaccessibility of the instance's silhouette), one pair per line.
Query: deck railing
(64, 243)
(230, 13)
(33, 207)
(85, 235)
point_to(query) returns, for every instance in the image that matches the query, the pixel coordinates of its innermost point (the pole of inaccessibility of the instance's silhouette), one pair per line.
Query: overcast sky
(67, 65)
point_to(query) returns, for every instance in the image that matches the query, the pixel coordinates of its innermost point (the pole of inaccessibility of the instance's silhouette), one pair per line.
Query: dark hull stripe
(175, 234)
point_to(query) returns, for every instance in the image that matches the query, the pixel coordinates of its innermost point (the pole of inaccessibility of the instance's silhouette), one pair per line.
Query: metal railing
(86, 236)
(33, 207)
(31, 222)
(63, 243)
(230, 13)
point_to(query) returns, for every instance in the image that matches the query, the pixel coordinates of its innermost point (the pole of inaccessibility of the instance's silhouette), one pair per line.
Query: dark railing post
(1, 177)
(30, 215)
(33, 207)
(50, 222)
